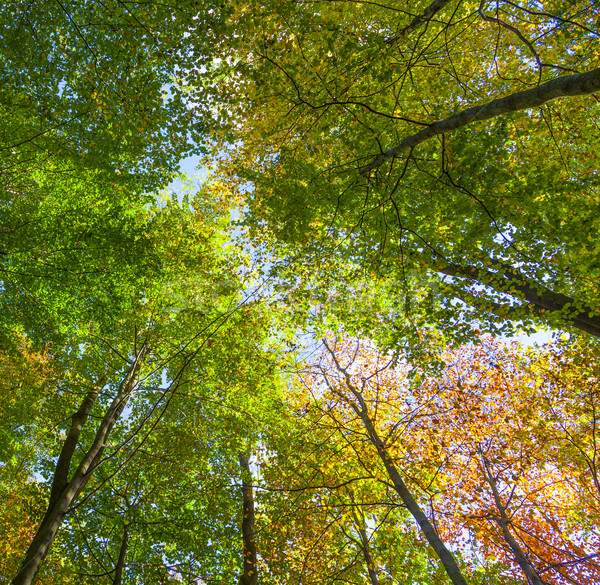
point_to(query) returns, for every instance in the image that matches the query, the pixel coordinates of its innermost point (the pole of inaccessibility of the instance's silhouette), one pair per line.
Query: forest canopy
(305, 367)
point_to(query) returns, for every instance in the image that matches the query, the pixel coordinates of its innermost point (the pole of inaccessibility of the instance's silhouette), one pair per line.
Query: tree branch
(503, 521)
(420, 20)
(570, 85)
(509, 281)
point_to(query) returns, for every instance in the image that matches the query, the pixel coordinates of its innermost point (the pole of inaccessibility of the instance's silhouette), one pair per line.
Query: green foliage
(494, 225)
(93, 82)
(498, 213)
(93, 123)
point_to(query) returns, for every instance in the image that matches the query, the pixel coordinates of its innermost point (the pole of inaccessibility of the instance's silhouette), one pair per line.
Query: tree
(329, 510)
(445, 140)
(108, 368)
(353, 395)
(477, 449)
(66, 487)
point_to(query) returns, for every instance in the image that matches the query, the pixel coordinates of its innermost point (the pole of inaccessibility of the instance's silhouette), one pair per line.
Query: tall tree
(455, 139)
(189, 324)
(354, 395)
(67, 486)
(329, 509)
(478, 448)
(510, 484)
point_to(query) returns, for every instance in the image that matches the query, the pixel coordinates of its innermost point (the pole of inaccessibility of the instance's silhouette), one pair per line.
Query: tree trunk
(504, 522)
(570, 85)
(364, 541)
(121, 561)
(249, 574)
(63, 465)
(445, 556)
(63, 499)
(367, 554)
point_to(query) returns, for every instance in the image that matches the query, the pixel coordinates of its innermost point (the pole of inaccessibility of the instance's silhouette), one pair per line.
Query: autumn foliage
(499, 450)
(419, 177)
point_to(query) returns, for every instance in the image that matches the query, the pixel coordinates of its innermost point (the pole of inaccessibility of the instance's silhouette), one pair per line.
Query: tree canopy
(451, 140)
(300, 369)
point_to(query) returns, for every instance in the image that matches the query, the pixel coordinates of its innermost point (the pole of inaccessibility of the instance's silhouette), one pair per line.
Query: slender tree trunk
(445, 556)
(122, 552)
(66, 495)
(570, 85)
(364, 542)
(367, 555)
(503, 521)
(63, 465)
(249, 574)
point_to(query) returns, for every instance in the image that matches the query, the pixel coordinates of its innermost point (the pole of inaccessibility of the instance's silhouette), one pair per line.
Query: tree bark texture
(421, 19)
(61, 473)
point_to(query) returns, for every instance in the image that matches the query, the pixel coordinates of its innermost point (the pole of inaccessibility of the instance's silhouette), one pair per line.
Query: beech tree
(452, 140)
(471, 453)
(188, 325)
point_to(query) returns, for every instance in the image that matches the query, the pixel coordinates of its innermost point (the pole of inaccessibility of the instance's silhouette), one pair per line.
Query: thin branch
(421, 19)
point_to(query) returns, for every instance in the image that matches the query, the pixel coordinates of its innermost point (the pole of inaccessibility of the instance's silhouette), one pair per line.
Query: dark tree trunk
(121, 561)
(65, 494)
(63, 465)
(249, 574)
(445, 556)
